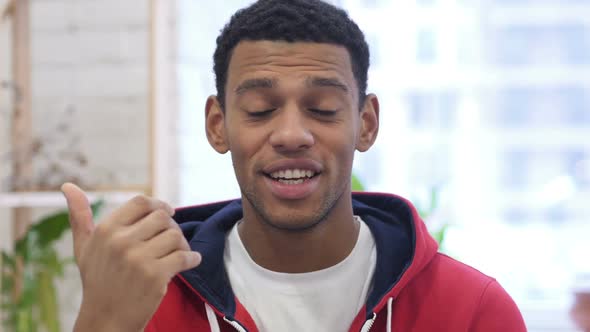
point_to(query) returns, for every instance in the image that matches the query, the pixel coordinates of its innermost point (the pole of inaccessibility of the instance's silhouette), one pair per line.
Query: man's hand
(126, 261)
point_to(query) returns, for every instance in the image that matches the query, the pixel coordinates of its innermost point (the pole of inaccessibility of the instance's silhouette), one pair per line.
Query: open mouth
(292, 176)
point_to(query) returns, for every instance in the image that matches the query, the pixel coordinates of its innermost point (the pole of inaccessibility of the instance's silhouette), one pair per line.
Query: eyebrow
(314, 82)
(255, 83)
(310, 82)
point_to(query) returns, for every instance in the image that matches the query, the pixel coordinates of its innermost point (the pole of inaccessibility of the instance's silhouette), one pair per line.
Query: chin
(292, 223)
(299, 216)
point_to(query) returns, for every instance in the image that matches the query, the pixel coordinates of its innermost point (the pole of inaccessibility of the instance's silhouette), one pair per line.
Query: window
(426, 45)
(540, 44)
(432, 110)
(550, 106)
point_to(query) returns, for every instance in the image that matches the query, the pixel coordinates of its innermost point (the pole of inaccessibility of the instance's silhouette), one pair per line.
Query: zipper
(369, 324)
(235, 325)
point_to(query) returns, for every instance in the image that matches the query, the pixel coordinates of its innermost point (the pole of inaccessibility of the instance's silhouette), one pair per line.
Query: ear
(369, 123)
(215, 125)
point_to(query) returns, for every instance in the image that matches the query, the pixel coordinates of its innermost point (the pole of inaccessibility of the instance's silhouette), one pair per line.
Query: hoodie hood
(404, 248)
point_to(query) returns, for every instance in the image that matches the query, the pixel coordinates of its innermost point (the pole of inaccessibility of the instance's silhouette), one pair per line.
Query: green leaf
(68, 260)
(52, 227)
(49, 316)
(7, 306)
(29, 293)
(433, 200)
(356, 184)
(96, 207)
(37, 304)
(48, 260)
(25, 321)
(7, 283)
(8, 260)
(7, 274)
(22, 248)
(439, 235)
(49, 229)
(426, 209)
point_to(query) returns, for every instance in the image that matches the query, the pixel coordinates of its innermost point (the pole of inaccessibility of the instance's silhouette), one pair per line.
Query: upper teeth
(292, 174)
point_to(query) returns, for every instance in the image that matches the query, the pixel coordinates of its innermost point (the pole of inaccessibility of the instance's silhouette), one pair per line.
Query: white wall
(5, 106)
(91, 57)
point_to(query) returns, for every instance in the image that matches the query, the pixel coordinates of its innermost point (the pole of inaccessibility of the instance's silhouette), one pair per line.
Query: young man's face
(292, 124)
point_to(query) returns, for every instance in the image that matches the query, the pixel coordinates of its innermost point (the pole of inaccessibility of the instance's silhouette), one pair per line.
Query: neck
(325, 244)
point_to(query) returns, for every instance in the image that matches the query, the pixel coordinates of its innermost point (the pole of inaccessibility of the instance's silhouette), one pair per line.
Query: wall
(90, 70)
(90, 74)
(5, 107)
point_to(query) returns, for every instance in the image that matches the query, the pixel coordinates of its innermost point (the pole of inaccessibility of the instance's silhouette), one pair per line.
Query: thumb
(80, 215)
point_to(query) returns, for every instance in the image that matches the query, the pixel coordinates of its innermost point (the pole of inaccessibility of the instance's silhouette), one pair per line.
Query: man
(298, 252)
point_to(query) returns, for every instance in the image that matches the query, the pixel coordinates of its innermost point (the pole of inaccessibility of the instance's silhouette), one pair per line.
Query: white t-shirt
(325, 300)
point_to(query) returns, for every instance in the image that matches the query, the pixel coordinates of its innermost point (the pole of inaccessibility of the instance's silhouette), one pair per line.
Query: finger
(179, 261)
(152, 225)
(137, 208)
(80, 215)
(164, 244)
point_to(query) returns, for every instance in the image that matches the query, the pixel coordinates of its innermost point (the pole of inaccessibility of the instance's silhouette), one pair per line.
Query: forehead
(282, 60)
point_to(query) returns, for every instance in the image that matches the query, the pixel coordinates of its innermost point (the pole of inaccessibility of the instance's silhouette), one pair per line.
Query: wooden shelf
(56, 199)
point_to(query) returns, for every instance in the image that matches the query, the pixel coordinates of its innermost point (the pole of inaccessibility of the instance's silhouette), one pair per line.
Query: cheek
(244, 145)
(341, 150)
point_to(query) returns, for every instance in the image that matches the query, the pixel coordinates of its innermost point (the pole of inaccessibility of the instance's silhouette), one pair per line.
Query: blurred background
(485, 123)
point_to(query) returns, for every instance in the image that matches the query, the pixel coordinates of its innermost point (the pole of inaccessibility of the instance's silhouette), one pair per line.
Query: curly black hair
(292, 21)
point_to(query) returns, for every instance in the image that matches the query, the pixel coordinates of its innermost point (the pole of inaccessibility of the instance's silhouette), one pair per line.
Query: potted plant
(36, 256)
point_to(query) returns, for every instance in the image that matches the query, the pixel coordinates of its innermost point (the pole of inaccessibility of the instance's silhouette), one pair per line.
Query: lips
(293, 174)
(292, 179)
(286, 164)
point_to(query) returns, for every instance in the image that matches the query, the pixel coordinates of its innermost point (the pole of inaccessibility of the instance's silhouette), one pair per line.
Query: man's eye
(260, 114)
(322, 112)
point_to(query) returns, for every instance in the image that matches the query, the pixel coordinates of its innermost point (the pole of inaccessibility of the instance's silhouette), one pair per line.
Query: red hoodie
(414, 287)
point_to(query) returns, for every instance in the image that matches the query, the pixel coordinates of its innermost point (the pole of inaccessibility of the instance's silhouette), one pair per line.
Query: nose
(291, 132)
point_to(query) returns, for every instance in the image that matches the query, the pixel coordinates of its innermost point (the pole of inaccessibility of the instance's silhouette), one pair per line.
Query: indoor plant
(35, 255)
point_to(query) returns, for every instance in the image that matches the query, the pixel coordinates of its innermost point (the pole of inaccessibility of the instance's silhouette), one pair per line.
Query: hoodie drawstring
(214, 325)
(369, 323)
(212, 318)
(389, 309)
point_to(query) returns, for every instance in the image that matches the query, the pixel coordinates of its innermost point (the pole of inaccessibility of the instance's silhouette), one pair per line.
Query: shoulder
(444, 277)
(451, 276)
(454, 273)
(480, 296)
(180, 310)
